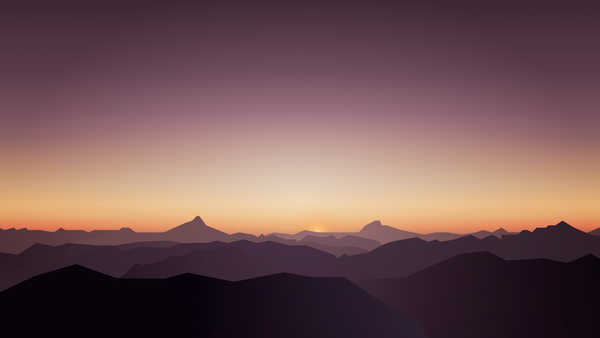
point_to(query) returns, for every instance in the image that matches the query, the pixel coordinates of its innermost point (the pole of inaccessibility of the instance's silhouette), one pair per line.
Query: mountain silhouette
(111, 260)
(498, 233)
(270, 254)
(560, 242)
(384, 233)
(482, 295)
(242, 260)
(344, 241)
(195, 231)
(595, 232)
(338, 246)
(76, 301)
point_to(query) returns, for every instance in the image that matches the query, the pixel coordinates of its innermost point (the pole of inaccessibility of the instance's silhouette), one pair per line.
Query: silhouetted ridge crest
(587, 259)
(374, 224)
(561, 227)
(70, 274)
(280, 305)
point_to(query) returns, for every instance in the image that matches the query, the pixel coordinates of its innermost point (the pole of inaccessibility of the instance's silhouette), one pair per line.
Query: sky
(281, 116)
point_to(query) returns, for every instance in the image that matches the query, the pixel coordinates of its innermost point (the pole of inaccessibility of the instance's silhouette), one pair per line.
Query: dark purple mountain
(246, 259)
(335, 246)
(384, 233)
(75, 301)
(348, 240)
(481, 295)
(111, 260)
(560, 242)
(595, 232)
(242, 260)
(194, 230)
(498, 233)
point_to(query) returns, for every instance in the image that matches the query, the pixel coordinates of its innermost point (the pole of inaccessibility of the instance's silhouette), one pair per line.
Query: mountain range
(75, 301)
(382, 233)
(247, 259)
(195, 231)
(537, 283)
(560, 242)
(482, 295)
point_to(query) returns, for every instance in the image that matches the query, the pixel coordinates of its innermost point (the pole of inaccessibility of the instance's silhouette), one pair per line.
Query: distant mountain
(111, 260)
(595, 232)
(270, 254)
(76, 301)
(560, 242)
(348, 241)
(481, 295)
(332, 245)
(384, 233)
(440, 236)
(242, 260)
(195, 231)
(498, 233)
(302, 234)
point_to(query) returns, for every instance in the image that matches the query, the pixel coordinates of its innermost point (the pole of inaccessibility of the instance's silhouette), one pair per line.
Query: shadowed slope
(560, 242)
(343, 241)
(345, 245)
(243, 259)
(384, 233)
(75, 301)
(595, 232)
(111, 260)
(195, 229)
(482, 295)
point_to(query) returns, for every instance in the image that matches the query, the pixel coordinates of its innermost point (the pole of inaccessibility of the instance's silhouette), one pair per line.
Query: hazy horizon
(316, 228)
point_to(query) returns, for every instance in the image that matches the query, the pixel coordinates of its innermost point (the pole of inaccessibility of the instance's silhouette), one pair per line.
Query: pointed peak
(197, 221)
(74, 272)
(373, 226)
(562, 225)
(500, 231)
(376, 223)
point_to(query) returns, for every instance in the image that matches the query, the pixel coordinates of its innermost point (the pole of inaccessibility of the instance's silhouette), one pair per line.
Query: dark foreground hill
(78, 302)
(481, 295)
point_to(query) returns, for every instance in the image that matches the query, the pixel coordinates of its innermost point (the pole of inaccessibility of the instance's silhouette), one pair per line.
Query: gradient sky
(265, 117)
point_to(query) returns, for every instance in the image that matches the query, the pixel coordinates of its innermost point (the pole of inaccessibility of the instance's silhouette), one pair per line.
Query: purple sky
(277, 116)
